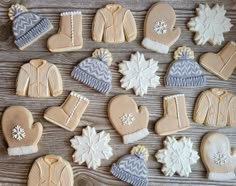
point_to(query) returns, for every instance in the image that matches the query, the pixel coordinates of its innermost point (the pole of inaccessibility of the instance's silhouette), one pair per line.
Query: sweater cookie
(21, 134)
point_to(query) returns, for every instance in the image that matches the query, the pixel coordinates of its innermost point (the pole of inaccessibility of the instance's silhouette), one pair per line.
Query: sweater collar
(113, 8)
(37, 63)
(52, 159)
(223, 92)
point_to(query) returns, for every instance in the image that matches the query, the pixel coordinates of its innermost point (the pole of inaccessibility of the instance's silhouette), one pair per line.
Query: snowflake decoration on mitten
(91, 147)
(210, 24)
(177, 156)
(139, 74)
(220, 158)
(160, 27)
(127, 119)
(18, 133)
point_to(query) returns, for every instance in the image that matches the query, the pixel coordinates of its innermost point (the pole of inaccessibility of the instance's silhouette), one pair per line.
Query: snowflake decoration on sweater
(18, 133)
(91, 147)
(210, 24)
(160, 27)
(139, 74)
(177, 156)
(127, 119)
(220, 158)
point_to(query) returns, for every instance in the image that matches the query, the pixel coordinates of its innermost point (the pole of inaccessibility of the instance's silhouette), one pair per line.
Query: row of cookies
(116, 24)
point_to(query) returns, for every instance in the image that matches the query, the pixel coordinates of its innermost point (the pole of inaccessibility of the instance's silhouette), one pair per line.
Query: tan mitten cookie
(218, 157)
(222, 63)
(51, 170)
(159, 31)
(175, 116)
(21, 134)
(40, 79)
(69, 35)
(69, 113)
(129, 120)
(114, 24)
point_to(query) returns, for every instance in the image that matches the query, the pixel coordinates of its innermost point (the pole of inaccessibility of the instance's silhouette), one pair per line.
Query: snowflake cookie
(139, 74)
(210, 24)
(177, 156)
(91, 147)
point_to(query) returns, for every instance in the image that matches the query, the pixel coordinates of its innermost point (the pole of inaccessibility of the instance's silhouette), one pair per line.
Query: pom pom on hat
(103, 55)
(16, 10)
(184, 53)
(140, 151)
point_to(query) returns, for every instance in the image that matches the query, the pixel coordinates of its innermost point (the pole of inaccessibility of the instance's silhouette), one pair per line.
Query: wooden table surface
(55, 140)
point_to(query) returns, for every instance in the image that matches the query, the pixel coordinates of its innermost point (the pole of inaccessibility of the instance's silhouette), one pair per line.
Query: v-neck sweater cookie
(216, 110)
(51, 170)
(114, 24)
(38, 78)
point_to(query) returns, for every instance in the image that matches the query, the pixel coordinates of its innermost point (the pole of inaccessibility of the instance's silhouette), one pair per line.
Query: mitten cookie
(209, 24)
(51, 169)
(218, 156)
(132, 168)
(159, 31)
(21, 134)
(222, 63)
(27, 26)
(130, 121)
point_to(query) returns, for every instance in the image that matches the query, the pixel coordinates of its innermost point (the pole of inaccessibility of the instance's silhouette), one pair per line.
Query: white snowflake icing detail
(210, 24)
(91, 147)
(160, 27)
(220, 158)
(177, 156)
(127, 119)
(18, 133)
(139, 74)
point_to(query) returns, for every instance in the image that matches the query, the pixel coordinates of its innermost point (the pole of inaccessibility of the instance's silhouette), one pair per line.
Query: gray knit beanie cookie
(184, 71)
(132, 168)
(94, 71)
(27, 26)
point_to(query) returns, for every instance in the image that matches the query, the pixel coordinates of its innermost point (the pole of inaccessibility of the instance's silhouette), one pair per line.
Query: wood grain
(14, 170)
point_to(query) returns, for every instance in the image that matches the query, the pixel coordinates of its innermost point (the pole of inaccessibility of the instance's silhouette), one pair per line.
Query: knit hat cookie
(159, 31)
(21, 134)
(27, 26)
(132, 168)
(94, 71)
(184, 71)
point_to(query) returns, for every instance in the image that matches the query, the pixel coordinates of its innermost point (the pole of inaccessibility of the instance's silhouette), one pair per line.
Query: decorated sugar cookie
(218, 157)
(159, 31)
(91, 147)
(184, 71)
(139, 74)
(209, 24)
(94, 71)
(132, 168)
(27, 26)
(177, 156)
(128, 119)
(51, 169)
(20, 131)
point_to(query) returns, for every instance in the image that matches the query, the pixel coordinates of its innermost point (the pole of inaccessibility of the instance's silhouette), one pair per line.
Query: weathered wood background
(55, 140)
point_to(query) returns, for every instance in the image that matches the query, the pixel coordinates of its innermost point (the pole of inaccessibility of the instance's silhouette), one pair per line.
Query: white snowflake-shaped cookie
(210, 24)
(160, 27)
(18, 133)
(139, 74)
(127, 119)
(177, 156)
(91, 147)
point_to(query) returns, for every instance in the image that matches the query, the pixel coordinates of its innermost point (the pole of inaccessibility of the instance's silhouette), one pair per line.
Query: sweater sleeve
(232, 112)
(34, 175)
(67, 177)
(201, 108)
(55, 81)
(98, 26)
(130, 28)
(22, 82)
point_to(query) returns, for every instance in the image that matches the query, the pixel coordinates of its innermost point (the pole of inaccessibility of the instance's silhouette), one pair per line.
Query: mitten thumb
(173, 36)
(36, 131)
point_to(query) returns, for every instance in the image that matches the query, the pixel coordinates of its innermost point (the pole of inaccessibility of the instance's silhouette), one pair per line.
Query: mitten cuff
(220, 176)
(130, 138)
(155, 46)
(13, 151)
